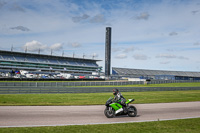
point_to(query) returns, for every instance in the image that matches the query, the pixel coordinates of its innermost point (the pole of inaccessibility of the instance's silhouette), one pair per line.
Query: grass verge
(97, 98)
(173, 126)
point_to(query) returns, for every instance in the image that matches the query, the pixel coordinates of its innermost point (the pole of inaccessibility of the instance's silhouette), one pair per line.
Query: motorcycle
(114, 108)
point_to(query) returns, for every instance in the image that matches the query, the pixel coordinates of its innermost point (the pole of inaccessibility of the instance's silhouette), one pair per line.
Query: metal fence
(90, 87)
(172, 81)
(98, 83)
(35, 90)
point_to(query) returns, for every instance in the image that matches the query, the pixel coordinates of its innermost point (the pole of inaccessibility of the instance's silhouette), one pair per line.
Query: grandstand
(155, 74)
(11, 62)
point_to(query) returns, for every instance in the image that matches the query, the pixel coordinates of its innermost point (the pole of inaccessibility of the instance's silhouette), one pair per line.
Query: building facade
(155, 74)
(46, 64)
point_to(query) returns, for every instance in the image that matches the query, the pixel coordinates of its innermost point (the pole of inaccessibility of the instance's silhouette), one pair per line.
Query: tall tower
(108, 52)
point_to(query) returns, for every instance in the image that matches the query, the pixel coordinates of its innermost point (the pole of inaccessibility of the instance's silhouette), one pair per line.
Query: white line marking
(101, 123)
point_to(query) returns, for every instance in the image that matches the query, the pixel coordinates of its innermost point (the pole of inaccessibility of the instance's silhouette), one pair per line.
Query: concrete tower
(108, 52)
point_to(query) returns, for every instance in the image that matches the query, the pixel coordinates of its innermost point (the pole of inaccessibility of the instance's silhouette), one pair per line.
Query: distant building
(155, 74)
(45, 64)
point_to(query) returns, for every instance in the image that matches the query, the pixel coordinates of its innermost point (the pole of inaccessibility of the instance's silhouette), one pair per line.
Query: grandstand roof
(42, 55)
(145, 72)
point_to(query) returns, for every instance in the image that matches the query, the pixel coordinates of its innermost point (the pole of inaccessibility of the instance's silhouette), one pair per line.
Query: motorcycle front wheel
(132, 111)
(109, 112)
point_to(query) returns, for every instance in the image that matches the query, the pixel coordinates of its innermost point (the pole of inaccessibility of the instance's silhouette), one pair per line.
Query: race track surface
(30, 116)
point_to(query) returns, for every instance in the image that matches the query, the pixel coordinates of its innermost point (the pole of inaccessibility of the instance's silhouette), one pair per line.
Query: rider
(119, 98)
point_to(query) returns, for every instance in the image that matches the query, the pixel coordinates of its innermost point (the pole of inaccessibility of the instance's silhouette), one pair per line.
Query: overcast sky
(146, 34)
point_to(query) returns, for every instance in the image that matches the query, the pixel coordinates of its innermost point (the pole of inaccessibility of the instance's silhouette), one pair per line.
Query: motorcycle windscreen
(129, 101)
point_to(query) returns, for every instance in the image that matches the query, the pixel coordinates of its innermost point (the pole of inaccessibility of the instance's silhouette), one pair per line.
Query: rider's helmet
(115, 91)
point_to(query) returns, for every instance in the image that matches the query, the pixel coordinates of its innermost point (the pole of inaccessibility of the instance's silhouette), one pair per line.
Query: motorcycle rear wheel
(132, 111)
(109, 113)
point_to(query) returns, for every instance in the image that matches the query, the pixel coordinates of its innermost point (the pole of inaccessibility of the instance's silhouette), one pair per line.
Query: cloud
(22, 28)
(196, 43)
(168, 56)
(116, 49)
(34, 46)
(2, 3)
(195, 12)
(124, 49)
(144, 16)
(129, 49)
(121, 56)
(98, 19)
(12, 6)
(182, 58)
(74, 44)
(170, 50)
(140, 57)
(16, 7)
(56, 47)
(165, 62)
(80, 18)
(173, 33)
(171, 56)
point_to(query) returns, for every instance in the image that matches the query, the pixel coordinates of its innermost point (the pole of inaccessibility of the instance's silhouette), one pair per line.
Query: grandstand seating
(17, 60)
(53, 61)
(8, 57)
(153, 73)
(43, 60)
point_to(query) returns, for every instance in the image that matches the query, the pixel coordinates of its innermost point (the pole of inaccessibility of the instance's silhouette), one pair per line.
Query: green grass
(175, 126)
(98, 98)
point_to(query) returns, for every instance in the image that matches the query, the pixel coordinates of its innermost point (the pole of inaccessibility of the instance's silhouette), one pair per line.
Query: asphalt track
(31, 116)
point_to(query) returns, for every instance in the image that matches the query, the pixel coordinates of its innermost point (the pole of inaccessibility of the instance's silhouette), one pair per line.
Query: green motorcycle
(115, 108)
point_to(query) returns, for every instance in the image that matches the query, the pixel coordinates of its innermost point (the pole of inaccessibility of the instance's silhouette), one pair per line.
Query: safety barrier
(35, 90)
(87, 83)
(86, 87)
